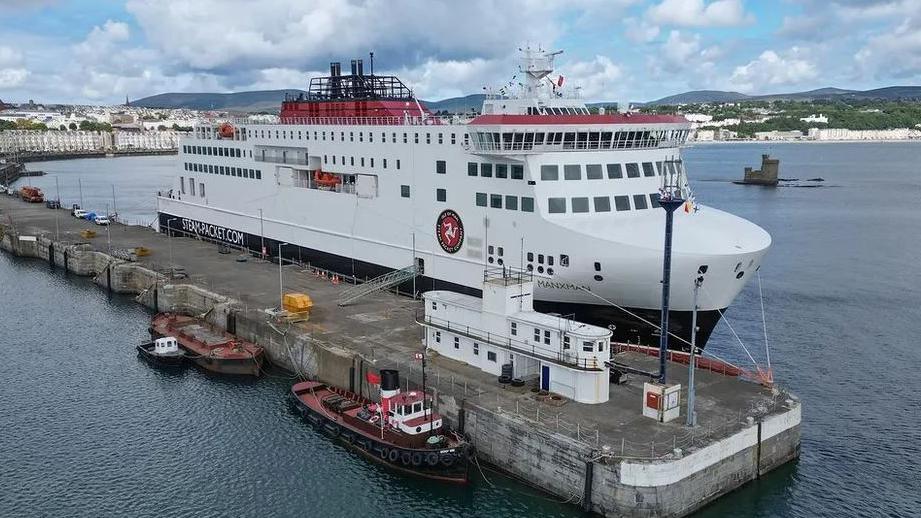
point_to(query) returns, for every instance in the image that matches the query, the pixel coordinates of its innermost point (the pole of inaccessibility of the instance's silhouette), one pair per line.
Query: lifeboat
(326, 180)
(225, 130)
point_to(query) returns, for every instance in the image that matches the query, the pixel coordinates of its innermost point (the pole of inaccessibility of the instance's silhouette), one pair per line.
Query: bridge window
(549, 172)
(481, 199)
(602, 204)
(511, 202)
(517, 172)
(622, 203)
(648, 170)
(501, 170)
(633, 171)
(441, 194)
(472, 168)
(639, 201)
(440, 167)
(495, 201)
(654, 200)
(404, 191)
(572, 172)
(556, 205)
(615, 171)
(580, 204)
(593, 172)
(527, 204)
(486, 170)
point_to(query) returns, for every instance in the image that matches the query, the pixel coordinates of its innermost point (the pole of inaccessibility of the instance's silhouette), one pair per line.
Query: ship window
(440, 139)
(404, 138)
(486, 170)
(428, 138)
(361, 136)
(566, 343)
(639, 201)
(192, 186)
(572, 172)
(259, 174)
(615, 171)
(648, 170)
(622, 202)
(324, 159)
(383, 137)
(660, 167)
(527, 204)
(514, 329)
(546, 337)
(602, 204)
(597, 266)
(549, 172)
(393, 138)
(490, 250)
(404, 191)
(564, 260)
(434, 305)
(511, 202)
(593, 172)
(362, 161)
(453, 138)
(456, 342)
(398, 163)
(491, 356)
(334, 159)
(201, 189)
(580, 204)
(472, 168)
(556, 205)
(588, 347)
(633, 171)
(441, 194)
(385, 163)
(481, 199)
(537, 335)
(370, 136)
(495, 201)
(351, 136)
(372, 161)
(182, 184)
(540, 258)
(654, 200)
(352, 161)
(501, 170)
(441, 167)
(517, 172)
(476, 349)
(549, 260)
(416, 138)
(324, 135)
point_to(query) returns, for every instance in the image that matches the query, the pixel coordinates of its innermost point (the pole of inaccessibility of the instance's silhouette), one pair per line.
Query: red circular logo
(450, 231)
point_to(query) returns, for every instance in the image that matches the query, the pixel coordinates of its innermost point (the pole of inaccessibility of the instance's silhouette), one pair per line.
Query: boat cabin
(411, 413)
(166, 345)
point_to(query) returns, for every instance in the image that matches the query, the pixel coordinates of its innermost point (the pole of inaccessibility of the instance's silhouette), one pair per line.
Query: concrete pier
(607, 458)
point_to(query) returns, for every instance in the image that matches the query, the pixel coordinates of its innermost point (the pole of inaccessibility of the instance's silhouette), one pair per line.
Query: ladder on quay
(376, 284)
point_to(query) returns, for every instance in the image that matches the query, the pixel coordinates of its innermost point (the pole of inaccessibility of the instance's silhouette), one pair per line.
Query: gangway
(376, 284)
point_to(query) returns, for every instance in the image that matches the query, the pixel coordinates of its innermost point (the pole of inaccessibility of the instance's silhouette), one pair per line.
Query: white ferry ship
(359, 177)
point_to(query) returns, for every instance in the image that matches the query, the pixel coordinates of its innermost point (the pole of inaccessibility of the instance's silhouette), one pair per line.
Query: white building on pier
(567, 357)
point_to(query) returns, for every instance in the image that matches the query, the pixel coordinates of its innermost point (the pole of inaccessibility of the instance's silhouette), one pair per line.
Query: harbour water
(91, 430)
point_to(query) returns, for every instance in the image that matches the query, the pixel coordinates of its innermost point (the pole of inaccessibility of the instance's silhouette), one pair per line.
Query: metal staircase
(376, 284)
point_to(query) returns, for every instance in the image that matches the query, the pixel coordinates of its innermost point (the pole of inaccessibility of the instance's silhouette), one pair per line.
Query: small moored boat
(401, 431)
(207, 346)
(163, 352)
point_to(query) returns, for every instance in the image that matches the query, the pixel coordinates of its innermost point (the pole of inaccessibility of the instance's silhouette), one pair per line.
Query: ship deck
(382, 327)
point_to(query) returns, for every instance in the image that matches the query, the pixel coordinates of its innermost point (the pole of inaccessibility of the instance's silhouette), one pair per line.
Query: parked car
(79, 213)
(101, 220)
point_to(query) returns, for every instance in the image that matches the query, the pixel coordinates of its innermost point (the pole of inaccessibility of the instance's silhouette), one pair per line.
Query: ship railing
(526, 147)
(567, 358)
(403, 120)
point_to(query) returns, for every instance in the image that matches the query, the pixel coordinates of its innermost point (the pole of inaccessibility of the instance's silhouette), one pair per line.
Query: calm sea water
(88, 429)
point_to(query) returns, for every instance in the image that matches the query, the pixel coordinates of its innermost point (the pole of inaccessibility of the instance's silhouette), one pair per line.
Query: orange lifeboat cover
(226, 130)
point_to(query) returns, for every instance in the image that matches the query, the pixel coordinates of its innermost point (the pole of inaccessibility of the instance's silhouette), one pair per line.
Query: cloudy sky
(99, 51)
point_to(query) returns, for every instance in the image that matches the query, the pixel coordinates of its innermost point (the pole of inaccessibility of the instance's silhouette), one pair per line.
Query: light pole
(169, 238)
(669, 199)
(692, 415)
(80, 184)
(261, 236)
(281, 293)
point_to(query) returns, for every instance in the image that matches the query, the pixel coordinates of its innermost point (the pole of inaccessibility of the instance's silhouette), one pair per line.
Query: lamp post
(692, 415)
(281, 293)
(169, 238)
(670, 199)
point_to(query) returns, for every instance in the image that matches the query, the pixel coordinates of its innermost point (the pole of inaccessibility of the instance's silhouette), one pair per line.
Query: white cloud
(698, 13)
(773, 69)
(11, 72)
(640, 31)
(598, 79)
(895, 53)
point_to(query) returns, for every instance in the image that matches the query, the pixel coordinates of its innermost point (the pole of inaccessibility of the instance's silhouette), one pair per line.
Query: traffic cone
(335, 279)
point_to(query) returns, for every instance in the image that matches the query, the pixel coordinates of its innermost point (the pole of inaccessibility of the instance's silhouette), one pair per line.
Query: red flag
(559, 82)
(372, 378)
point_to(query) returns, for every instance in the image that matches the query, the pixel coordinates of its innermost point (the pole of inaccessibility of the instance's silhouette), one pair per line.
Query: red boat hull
(208, 347)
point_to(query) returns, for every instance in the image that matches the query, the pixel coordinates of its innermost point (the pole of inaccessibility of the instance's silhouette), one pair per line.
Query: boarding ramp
(388, 280)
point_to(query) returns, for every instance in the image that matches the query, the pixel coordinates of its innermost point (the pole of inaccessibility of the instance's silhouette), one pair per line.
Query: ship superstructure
(359, 177)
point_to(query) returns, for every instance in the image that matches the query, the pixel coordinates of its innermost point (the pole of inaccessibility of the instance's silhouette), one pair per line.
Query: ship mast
(536, 65)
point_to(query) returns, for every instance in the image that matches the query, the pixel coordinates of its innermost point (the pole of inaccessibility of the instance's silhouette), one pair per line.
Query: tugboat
(163, 352)
(208, 347)
(401, 431)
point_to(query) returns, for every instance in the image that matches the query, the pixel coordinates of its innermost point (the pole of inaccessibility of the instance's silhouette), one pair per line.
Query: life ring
(383, 453)
(375, 418)
(447, 460)
(406, 458)
(417, 459)
(431, 459)
(393, 455)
